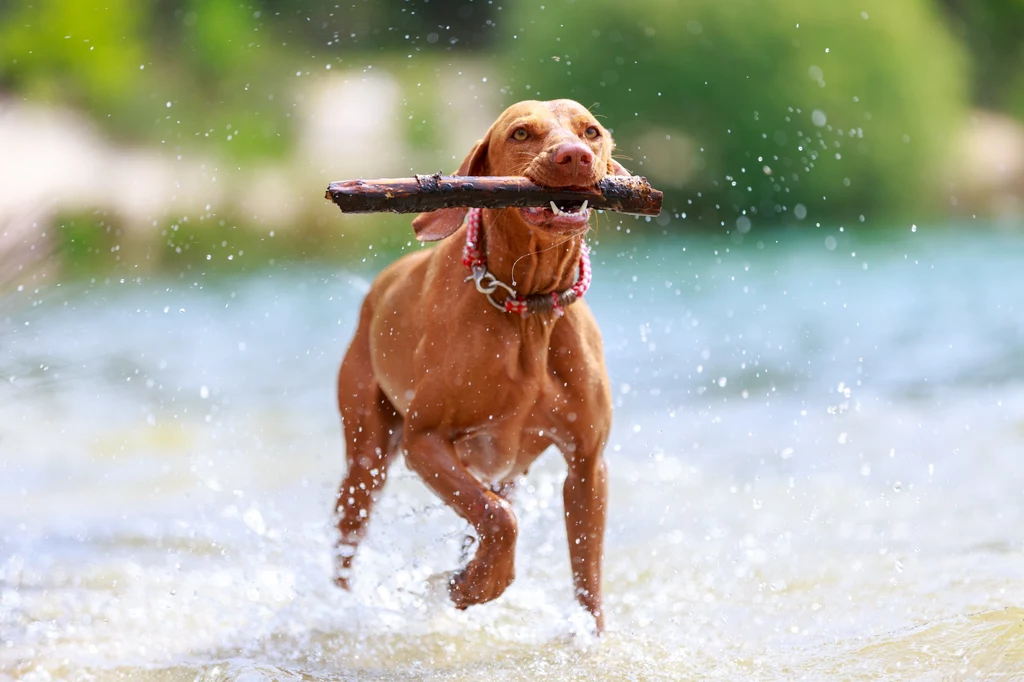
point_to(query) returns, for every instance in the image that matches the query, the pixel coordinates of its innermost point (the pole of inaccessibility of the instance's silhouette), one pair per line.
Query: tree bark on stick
(422, 193)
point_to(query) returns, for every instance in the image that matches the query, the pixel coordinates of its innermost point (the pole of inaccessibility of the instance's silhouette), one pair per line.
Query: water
(814, 473)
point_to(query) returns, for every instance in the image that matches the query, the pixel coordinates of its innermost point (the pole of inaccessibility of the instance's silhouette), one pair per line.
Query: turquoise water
(815, 472)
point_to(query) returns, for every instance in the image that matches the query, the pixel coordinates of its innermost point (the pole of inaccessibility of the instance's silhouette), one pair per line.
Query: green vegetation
(759, 105)
(95, 243)
(748, 112)
(223, 65)
(993, 31)
(149, 72)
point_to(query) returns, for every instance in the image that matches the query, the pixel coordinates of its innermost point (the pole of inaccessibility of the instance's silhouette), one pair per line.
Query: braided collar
(474, 258)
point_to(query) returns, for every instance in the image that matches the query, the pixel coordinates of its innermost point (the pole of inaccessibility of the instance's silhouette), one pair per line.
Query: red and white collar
(474, 258)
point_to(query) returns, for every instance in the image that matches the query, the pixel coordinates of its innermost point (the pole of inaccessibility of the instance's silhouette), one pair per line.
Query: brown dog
(473, 393)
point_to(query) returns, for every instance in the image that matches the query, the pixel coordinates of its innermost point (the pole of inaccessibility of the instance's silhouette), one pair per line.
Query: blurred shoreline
(129, 202)
(67, 183)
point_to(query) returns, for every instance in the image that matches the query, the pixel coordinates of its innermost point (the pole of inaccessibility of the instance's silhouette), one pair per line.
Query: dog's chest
(507, 425)
(488, 454)
(499, 452)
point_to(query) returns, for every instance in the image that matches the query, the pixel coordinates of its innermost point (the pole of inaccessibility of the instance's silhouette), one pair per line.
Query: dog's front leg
(585, 495)
(493, 566)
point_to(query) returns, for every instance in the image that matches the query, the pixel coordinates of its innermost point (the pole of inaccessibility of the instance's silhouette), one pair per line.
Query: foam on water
(844, 504)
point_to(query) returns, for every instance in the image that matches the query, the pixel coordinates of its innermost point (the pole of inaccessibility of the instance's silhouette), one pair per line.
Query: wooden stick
(623, 194)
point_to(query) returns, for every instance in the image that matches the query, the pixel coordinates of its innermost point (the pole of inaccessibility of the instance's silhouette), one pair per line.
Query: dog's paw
(343, 555)
(343, 576)
(460, 595)
(479, 583)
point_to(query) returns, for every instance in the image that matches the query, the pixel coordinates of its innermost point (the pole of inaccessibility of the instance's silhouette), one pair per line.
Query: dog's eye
(592, 133)
(520, 134)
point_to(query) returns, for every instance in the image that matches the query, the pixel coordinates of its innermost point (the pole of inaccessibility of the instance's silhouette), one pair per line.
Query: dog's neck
(527, 258)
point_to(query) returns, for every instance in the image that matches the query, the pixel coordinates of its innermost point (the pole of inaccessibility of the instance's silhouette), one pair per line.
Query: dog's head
(555, 144)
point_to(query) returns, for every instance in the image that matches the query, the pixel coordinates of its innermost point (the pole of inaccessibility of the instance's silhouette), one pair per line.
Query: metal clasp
(487, 284)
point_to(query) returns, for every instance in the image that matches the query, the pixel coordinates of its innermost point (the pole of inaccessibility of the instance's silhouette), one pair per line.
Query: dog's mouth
(566, 215)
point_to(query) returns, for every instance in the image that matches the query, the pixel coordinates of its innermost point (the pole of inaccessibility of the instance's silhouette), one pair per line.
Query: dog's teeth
(554, 209)
(583, 209)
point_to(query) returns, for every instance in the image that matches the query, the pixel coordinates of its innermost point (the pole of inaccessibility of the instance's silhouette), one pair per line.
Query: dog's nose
(574, 154)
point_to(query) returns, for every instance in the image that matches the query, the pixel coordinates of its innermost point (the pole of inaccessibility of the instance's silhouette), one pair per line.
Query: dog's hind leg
(372, 432)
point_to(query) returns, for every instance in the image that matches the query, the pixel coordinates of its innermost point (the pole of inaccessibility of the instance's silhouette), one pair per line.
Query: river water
(815, 473)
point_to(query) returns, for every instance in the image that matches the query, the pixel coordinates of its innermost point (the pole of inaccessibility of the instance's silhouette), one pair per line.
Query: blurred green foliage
(738, 107)
(95, 243)
(172, 72)
(73, 50)
(758, 105)
(993, 31)
(226, 67)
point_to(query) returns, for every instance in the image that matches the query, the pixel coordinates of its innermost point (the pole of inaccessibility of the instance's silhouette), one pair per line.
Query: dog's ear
(616, 168)
(430, 227)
